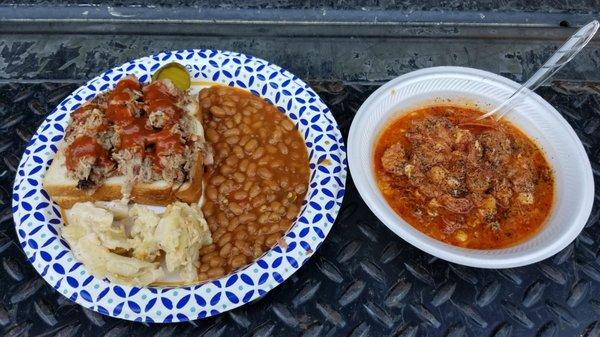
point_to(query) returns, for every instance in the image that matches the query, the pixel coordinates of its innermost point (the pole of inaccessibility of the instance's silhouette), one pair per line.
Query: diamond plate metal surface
(363, 281)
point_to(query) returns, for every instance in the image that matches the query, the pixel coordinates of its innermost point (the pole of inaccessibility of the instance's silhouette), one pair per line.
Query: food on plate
(138, 248)
(145, 145)
(474, 184)
(256, 186)
(141, 142)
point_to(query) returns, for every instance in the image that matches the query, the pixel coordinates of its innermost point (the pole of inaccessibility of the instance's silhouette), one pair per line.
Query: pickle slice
(177, 73)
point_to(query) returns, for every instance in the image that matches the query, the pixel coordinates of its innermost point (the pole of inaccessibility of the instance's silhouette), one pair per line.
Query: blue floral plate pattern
(38, 219)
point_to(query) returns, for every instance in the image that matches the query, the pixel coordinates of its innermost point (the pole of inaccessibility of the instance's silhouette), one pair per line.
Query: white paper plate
(38, 219)
(573, 174)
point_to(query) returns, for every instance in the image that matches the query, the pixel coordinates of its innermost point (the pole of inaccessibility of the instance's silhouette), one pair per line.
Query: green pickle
(177, 73)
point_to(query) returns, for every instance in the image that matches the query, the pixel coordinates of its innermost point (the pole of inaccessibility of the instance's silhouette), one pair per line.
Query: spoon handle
(562, 56)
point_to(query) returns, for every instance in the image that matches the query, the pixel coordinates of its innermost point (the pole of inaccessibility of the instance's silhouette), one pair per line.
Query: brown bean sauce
(474, 184)
(256, 186)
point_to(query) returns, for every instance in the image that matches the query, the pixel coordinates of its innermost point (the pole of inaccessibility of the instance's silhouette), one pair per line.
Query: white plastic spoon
(562, 56)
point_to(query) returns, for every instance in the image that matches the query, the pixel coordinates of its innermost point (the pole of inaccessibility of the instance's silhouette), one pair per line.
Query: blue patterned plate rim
(37, 219)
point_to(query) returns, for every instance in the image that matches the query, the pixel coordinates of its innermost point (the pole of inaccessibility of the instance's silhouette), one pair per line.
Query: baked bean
(204, 93)
(210, 256)
(244, 218)
(238, 261)
(208, 249)
(240, 232)
(256, 104)
(212, 223)
(231, 160)
(239, 177)
(287, 124)
(263, 133)
(256, 186)
(300, 188)
(211, 193)
(250, 111)
(251, 145)
(218, 111)
(258, 153)
(208, 208)
(225, 238)
(258, 250)
(251, 170)
(264, 160)
(259, 240)
(244, 164)
(252, 227)
(283, 149)
(232, 140)
(271, 239)
(215, 272)
(223, 150)
(264, 173)
(237, 150)
(233, 223)
(240, 195)
(223, 223)
(235, 208)
(228, 103)
(292, 211)
(215, 261)
(271, 185)
(254, 191)
(284, 226)
(283, 182)
(212, 135)
(274, 228)
(275, 137)
(237, 118)
(263, 219)
(231, 132)
(245, 129)
(227, 187)
(225, 250)
(243, 245)
(226, 170)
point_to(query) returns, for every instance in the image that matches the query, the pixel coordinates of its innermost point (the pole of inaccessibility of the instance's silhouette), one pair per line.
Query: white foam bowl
(574, 184)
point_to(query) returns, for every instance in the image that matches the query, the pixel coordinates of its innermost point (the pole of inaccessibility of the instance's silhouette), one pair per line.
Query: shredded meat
(459, 170)
(117, 133)
(156, 119)
(394, 159)
(84, 168)
(108, 139)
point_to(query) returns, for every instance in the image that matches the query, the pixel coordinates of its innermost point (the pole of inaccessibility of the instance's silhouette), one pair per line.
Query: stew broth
(474, 184)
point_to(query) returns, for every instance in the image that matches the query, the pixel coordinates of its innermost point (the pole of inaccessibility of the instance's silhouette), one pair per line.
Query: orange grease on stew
(517, 221)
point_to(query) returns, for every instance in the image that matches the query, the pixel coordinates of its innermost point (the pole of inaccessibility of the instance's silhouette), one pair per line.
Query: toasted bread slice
(63, 190)
(65, 193)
